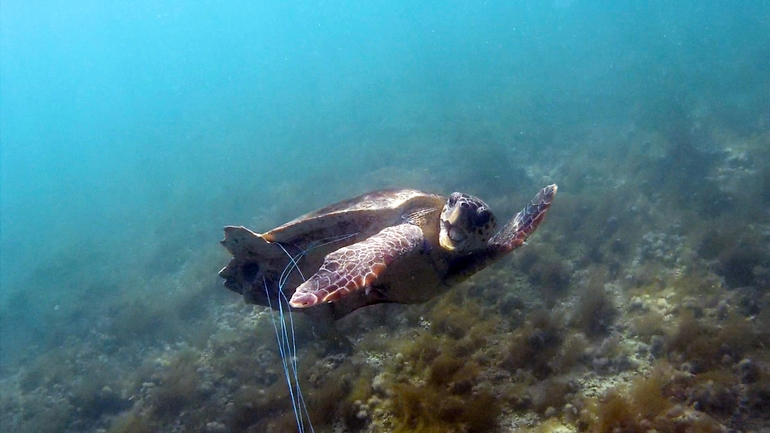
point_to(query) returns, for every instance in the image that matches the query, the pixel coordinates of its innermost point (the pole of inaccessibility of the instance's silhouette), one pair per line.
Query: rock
(215, 427)
(748, 370)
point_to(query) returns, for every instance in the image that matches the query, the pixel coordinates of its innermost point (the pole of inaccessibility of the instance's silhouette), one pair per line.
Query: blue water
(131, 132)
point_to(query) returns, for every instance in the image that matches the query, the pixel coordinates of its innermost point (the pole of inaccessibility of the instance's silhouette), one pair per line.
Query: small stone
(600, 364)
(722, 310)
(637, 304)
(378, 383)
(624, 363)
(696, 309)
(570, 412)
(215, 427)
(687, 367)
(675, 411)
(646, 425)
(657, 346)
(748, 370)
(461, 387)
(206, 387)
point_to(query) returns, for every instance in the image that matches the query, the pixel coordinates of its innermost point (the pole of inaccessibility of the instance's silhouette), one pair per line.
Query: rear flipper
(255, 267)
(357, 266)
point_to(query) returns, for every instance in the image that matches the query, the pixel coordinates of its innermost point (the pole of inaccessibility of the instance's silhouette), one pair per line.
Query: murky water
(131, 133)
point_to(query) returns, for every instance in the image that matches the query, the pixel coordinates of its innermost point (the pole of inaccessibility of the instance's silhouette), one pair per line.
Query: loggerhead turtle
(403, 246)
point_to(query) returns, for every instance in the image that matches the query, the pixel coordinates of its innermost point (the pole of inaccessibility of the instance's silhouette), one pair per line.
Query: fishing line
(282, 348)
(287, 345)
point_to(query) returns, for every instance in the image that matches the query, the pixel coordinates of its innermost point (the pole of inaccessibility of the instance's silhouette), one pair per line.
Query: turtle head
(466, 224)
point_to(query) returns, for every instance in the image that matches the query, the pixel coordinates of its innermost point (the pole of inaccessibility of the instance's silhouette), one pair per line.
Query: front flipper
(525, 222)
(357, 266)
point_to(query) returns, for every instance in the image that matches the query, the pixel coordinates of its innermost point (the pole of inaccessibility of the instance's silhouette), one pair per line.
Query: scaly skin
(356, 266)
(521, 226)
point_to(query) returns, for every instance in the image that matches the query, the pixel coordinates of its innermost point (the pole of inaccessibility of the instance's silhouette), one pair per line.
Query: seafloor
(640, 305)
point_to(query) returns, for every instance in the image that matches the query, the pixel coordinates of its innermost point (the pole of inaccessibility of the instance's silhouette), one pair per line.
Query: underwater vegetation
(643, 304)
(657, 327)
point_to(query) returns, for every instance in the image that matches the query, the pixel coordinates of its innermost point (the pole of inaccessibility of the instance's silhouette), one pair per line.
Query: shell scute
(366, 214)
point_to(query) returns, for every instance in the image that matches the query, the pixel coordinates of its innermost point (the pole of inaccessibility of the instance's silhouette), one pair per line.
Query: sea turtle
(403, 246)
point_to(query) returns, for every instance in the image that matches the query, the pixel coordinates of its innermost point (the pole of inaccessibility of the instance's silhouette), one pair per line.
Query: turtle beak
(450, 234)
(443, 238)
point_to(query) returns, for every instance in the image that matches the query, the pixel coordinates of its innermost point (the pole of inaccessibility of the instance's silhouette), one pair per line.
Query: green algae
(650, 403)
(131, 423)
(430, 409)
(595, 312)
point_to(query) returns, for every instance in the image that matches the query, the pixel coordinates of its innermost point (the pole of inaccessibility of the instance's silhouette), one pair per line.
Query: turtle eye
(453, 198)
